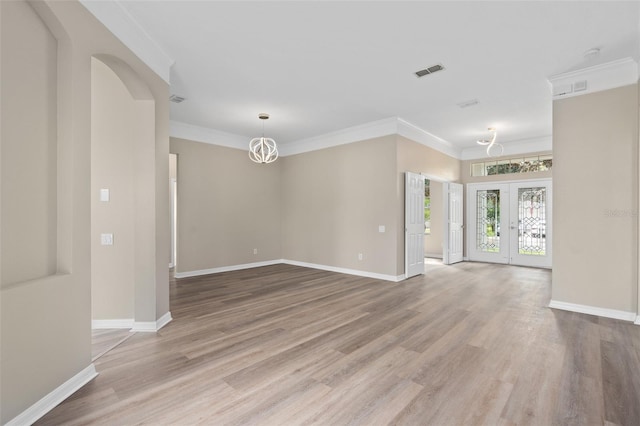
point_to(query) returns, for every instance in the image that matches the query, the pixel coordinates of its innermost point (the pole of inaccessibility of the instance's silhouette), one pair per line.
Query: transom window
(538, 163)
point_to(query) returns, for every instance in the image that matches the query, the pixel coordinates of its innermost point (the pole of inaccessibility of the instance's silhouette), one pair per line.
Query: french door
(510, 223)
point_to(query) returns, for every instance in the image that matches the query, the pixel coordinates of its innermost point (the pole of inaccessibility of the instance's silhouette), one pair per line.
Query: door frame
(445, 212)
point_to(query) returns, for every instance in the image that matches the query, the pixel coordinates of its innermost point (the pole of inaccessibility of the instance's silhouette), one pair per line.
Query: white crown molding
(610, 75)
(53, 398)
(519, 147)
(374, 129)
(111, 323)
(415, 133)
(152, 326)
(119, 21)
(371, 130)
(195, 133)
(593, 310)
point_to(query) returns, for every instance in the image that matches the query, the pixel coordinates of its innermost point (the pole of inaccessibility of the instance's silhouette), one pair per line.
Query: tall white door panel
(414, 224)
(453, 241)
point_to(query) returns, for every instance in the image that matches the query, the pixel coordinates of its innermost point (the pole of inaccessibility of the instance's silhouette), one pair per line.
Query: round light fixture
(263, 150)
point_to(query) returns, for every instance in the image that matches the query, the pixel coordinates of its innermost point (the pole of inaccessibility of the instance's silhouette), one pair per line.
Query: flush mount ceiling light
(491, 143)
(263, 150)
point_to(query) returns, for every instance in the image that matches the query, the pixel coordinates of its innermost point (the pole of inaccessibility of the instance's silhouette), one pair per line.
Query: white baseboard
(53, 398)
(433, 255)
(197, 273)
(164, 320)
(152, 326)
(593, 310)
(111, 323)
(367, 274)
(637, 321)
(393, 278)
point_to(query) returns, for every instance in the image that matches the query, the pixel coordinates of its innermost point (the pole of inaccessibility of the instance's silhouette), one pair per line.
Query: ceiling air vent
(469, 103)
(176, 99)
(430, 70)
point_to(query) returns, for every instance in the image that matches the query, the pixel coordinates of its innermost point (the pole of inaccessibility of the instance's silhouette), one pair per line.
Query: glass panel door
(488, 220)
(486, 205)
(530, 223)
(510, 223)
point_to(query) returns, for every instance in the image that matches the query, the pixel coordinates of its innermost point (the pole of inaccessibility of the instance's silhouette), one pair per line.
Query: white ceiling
(318, 67)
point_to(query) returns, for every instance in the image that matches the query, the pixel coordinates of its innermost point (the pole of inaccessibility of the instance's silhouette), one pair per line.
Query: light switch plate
(104, 194)
(381, 228)
(106, 239)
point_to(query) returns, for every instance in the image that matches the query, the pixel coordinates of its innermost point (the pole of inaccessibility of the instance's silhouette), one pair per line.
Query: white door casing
(414, 224)
(453, 240)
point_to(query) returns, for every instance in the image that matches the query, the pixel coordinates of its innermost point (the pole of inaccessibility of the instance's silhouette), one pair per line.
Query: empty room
(319, 212)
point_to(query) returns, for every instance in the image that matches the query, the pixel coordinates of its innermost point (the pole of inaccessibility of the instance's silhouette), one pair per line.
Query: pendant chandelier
(263, 150)
(492, 143)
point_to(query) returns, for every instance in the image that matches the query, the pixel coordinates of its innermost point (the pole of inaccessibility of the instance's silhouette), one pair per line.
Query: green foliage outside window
(427, 206)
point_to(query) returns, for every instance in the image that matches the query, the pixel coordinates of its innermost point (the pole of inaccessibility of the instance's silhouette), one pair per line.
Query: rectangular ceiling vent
(467, 104)
(430, 70)
(176, 99)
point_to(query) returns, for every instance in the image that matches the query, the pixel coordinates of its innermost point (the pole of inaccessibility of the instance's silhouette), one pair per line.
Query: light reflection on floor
(431, 263)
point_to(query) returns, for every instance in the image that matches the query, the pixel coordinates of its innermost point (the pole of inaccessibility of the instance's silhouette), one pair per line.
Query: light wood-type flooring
(282, 345)
(102, 341)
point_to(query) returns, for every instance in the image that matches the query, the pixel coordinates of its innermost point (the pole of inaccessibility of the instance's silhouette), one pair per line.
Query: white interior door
(414, 224)
(510, 223)
(453, 241)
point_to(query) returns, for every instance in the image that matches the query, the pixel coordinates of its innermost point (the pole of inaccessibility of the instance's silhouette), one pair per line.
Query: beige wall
(333, 201)
(329, 203)
(29, 147)
(173, 166)
(227, 207)
(51, 316)
(114, 124)
(595, 187)
(433, 241)
(417, 158)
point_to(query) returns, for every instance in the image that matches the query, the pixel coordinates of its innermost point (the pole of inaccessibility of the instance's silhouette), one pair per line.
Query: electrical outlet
(360, 257)
(255, 251)
(106, 239)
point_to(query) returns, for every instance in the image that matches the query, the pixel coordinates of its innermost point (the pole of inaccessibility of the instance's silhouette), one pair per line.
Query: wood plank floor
(103, 340)
(283, 345)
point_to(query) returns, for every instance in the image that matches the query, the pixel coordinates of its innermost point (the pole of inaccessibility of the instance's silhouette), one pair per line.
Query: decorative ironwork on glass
(539, 163)
(532, 224)
(488, 221)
